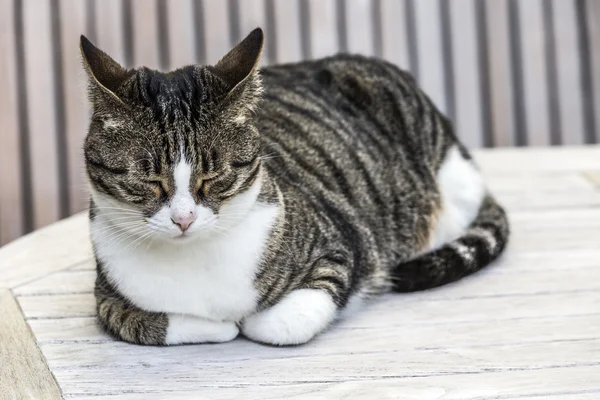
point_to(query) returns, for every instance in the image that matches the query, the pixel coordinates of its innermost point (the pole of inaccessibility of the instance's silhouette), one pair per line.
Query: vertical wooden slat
(216, 31)
(500, 76)
(76, 108)
(359, 29)
(41, 111)
(181, 32)
(11, 207)
(592, 13)
(569, 80)
(287, 29)
(429, 42)
(517, 73)
(109, 27)
(395, 42)
(535, 80)
(323, 30)
(466, 72)
(145, 33)
(589, 121)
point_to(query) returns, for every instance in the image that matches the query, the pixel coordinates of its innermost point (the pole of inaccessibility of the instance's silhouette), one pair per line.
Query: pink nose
(184, 220)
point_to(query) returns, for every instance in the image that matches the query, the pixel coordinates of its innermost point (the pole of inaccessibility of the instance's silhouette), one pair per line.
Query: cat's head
(174, 155)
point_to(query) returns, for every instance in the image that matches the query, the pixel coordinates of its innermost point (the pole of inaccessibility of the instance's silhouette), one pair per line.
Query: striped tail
(481, 244)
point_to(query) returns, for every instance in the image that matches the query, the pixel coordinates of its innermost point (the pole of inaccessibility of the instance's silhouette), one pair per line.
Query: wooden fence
(508, 72)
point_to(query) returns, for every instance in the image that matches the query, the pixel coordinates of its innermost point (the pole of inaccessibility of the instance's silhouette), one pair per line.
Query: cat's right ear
(104, 73)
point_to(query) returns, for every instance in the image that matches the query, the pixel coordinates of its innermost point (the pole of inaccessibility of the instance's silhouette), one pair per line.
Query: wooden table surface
(527, 327)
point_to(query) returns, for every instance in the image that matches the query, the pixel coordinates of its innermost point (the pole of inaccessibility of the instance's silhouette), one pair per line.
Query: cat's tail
(482, 243)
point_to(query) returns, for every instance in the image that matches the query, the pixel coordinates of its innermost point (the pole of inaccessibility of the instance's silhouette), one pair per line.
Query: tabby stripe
(98, 181)
(374, 148)
(410, 93)
(297, 155)
(99, 165)
(389, 146)
(242, 164)
(342, 126)
(337, 175)
(407, 137)
(132, 192)
(374, 191)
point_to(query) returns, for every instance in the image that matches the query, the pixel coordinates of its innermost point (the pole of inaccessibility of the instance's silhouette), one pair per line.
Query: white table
(528, 327)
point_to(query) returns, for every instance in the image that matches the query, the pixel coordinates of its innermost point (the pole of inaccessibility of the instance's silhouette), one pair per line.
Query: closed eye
(244, 163)
(160, 188)
(205, 185)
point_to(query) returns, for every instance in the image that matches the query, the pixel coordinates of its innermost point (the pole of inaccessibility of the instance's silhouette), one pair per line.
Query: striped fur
(348, 149)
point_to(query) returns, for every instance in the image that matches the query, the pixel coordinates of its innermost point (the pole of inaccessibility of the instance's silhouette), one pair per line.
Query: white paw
(296, 319)
(188, 329)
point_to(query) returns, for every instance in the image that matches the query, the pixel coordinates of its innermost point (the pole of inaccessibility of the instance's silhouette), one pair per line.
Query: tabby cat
(226, 198)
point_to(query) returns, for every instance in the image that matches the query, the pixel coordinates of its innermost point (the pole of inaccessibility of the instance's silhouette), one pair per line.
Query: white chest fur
(211, 278)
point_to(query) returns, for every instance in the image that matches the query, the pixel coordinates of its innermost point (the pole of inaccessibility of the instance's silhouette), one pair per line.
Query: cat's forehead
(185, 96)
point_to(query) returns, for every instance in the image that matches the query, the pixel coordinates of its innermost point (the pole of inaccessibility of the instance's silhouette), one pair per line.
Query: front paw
(296, 319)
(188, 329)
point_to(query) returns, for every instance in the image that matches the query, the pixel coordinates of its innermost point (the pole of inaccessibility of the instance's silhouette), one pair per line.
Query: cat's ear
(238, 69)
(104, 73)
(242, 61)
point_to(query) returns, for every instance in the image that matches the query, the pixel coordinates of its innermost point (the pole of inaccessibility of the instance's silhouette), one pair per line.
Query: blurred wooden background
(508, 72)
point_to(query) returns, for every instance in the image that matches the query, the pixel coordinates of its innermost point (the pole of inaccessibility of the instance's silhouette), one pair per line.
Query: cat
(228, 198)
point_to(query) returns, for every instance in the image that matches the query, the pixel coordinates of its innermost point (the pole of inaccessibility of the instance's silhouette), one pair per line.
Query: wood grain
(181, 33)
(395, 41)
(593, 177)
(568, 70)
(11, 199)
(531, 319)
(500, 74)
(429, 37)
(192, 373)
(323, 32)
(145, 33)
(592, 15)
(358, 14)
(24, 373)
(523, 160)
(466, 73)
(42, 116)
(287, 30)
(44, 251)
(76, 106)
(216, 30)
(535, 81)
(109, 26)
(323, 391)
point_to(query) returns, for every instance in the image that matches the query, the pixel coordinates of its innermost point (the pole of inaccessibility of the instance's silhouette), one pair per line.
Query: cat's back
(348, 84)
(351, 112)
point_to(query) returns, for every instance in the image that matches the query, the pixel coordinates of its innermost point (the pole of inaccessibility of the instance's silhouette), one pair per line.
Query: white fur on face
(182, 202)
(161, 226)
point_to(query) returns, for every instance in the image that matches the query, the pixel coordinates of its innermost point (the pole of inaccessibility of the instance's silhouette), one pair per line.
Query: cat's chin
(186, 238)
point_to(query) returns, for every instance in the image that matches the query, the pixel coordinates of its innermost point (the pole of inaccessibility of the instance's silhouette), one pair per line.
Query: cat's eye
(204, 186)
(160, 188)
(244, 163)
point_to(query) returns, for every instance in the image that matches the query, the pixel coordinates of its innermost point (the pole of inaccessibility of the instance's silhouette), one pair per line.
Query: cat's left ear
(242, 61)
(238, 69)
